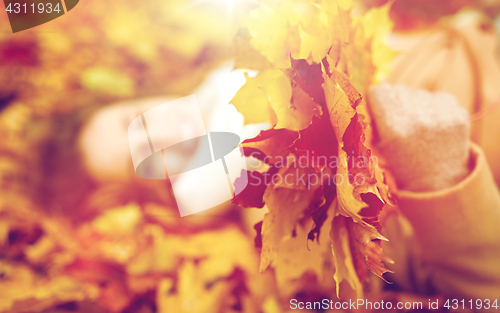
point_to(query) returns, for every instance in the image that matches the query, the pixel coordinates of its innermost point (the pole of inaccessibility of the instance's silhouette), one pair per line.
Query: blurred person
(90, 150)
(459, 55)
(446, 240)
(433, 121)
(118, 239)
(409, 15)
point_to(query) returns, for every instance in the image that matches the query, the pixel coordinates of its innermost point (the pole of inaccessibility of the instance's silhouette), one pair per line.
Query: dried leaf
(252, 101)
(318, 104)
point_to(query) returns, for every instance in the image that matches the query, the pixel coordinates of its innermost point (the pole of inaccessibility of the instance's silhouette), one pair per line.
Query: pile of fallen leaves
(324, 192)
(132, 257)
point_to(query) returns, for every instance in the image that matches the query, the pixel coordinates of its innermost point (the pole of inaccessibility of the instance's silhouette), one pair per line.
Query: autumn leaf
(344, 263)
(343, 81)
(191, 294)
(319, 214)
(270, 147)
(286, 207)
(245, 55)
(273, 143)
(316, 143)
(279, 94)
(330, 64)
(360, 231)
(250, 193)
(269, 33)
(309, 77)
(252, 101)
(297, 256)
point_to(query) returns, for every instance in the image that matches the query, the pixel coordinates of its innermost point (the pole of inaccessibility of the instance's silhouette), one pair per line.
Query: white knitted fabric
(424, 136)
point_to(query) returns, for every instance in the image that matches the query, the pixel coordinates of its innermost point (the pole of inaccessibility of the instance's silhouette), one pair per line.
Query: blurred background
(55, 79)
(79, 237)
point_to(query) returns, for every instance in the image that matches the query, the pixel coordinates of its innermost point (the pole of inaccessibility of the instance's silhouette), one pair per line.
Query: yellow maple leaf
(252, 101)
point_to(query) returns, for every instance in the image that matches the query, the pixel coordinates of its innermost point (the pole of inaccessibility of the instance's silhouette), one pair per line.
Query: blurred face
(104, 143)
(106, 149)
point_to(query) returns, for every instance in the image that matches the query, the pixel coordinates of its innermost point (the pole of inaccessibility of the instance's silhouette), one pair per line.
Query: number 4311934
(24, 8)
(478, 304)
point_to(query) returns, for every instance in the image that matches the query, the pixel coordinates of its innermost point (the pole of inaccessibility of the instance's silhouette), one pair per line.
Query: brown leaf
(273, 143)
(310, 78)
(249, 194)
(351, 92)
(320, 214)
